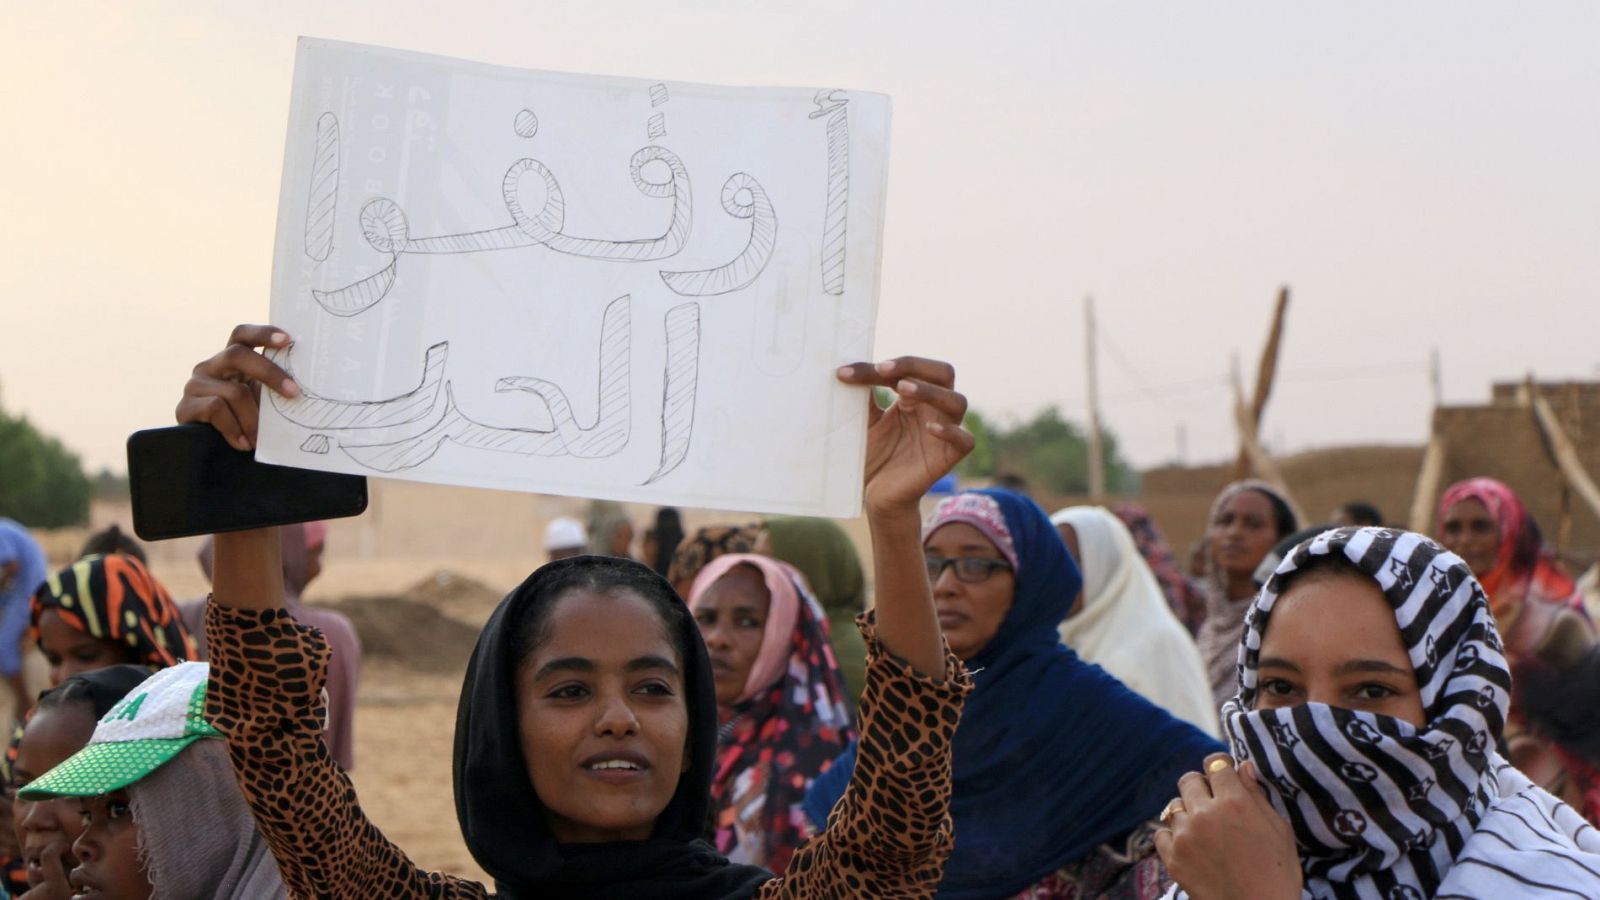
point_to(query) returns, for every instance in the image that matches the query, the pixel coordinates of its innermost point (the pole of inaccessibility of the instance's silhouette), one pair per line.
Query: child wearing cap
(61, 724)
(162, 813)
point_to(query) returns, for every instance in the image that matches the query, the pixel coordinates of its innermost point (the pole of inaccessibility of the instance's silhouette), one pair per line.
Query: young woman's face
(1332, 639)
(47, 828)
(1242, 533)
(732, 615)
(1470, 532)
(109, 867)
(70, 651)
(604, 720)
(970, 614)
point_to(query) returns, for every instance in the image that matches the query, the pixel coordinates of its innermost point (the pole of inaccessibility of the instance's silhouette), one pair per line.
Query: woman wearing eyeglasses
(1060, 770)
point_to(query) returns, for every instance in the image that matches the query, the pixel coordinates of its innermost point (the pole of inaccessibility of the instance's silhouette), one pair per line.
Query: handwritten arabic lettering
(407, 430)
(742, 197)
(386, 229)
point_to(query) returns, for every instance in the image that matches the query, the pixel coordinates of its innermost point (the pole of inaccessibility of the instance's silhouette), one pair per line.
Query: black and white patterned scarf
(1382, 809)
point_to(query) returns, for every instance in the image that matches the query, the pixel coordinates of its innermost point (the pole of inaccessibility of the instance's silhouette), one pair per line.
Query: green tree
(42, 484)
(980, 463)
(1049, 452)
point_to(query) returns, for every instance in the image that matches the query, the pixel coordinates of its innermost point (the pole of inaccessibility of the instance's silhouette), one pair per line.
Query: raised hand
(919, 438)
(225, 390)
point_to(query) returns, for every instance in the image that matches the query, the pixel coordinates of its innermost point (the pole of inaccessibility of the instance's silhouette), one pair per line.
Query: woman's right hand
(225, 390)
(918, 439)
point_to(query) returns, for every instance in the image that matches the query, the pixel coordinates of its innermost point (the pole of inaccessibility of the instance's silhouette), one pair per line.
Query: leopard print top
(888, 837)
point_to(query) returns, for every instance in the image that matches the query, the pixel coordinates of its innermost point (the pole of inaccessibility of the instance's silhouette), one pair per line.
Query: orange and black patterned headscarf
(115, 598)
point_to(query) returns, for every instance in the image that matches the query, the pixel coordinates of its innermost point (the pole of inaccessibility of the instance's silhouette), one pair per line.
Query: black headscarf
(503, 819)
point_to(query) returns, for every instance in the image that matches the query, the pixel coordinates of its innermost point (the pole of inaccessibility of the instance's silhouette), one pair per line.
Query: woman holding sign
(586, 734)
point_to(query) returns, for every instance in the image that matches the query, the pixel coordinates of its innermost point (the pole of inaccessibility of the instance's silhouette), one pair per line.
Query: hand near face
(1226, 840)
(919, 438)
(53, 884)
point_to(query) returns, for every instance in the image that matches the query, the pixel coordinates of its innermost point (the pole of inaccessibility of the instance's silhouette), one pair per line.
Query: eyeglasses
(969, 569)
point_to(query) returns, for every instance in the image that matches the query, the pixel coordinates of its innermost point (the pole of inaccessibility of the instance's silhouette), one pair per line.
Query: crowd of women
(1027, 705)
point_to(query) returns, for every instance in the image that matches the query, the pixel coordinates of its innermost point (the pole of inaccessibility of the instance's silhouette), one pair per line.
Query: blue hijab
(16, 595)
(1053, 756)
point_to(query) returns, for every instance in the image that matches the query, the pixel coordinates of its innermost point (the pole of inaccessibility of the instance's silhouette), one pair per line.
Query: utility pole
(1435, 378)
(1097, 471)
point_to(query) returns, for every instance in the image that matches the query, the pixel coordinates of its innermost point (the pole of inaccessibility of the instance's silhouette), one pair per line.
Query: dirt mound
(432, 627)
(407, 633)
(458, 595)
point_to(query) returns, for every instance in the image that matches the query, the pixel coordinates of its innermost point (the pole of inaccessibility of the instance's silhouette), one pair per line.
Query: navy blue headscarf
(1053, 756)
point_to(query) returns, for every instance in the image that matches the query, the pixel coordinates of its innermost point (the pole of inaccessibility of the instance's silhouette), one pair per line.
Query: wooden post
(1436, 378)
(1562, 448)
(1428, 480)
(1266, 371)
(1097, 468)
(1255, 455)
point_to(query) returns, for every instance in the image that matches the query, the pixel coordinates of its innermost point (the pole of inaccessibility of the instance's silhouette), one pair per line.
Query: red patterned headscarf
(786, 733)
(1524, 568)
(115, 598)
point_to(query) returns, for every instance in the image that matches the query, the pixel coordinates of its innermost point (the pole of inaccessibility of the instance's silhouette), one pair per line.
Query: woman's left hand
(1225, 840)
(919, 438)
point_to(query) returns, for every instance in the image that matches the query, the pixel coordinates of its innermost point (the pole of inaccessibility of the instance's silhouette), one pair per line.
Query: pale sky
(1422, 174)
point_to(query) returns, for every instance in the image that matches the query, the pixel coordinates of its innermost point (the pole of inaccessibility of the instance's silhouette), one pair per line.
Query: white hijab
(1125, 625)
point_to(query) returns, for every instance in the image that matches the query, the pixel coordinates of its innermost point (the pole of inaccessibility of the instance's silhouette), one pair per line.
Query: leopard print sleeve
(890, 833)
(265, 696)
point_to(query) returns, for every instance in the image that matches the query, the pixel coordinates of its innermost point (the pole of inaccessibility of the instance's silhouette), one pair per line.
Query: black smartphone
(186, 480)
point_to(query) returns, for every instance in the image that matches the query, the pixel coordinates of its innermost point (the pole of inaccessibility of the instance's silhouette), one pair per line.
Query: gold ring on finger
(1173, 807)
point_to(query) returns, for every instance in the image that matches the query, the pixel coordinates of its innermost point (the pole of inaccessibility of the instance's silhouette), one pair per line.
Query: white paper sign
(573, 284)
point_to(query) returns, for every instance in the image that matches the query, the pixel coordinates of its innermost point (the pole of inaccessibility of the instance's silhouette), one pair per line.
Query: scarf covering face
(1382, 809)
(503, 820)
(1218, 637)
(786, 730)
(115, 598)
(1125, 625)
(1054, 756)
(1524, 568)
(197, 837)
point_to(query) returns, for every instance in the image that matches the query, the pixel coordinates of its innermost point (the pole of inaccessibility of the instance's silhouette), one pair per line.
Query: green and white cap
(160, 717)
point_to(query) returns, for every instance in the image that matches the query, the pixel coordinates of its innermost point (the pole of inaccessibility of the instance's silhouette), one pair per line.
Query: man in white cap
(564, 537)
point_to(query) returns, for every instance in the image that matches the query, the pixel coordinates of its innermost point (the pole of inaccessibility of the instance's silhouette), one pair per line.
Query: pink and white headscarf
(773, 657)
